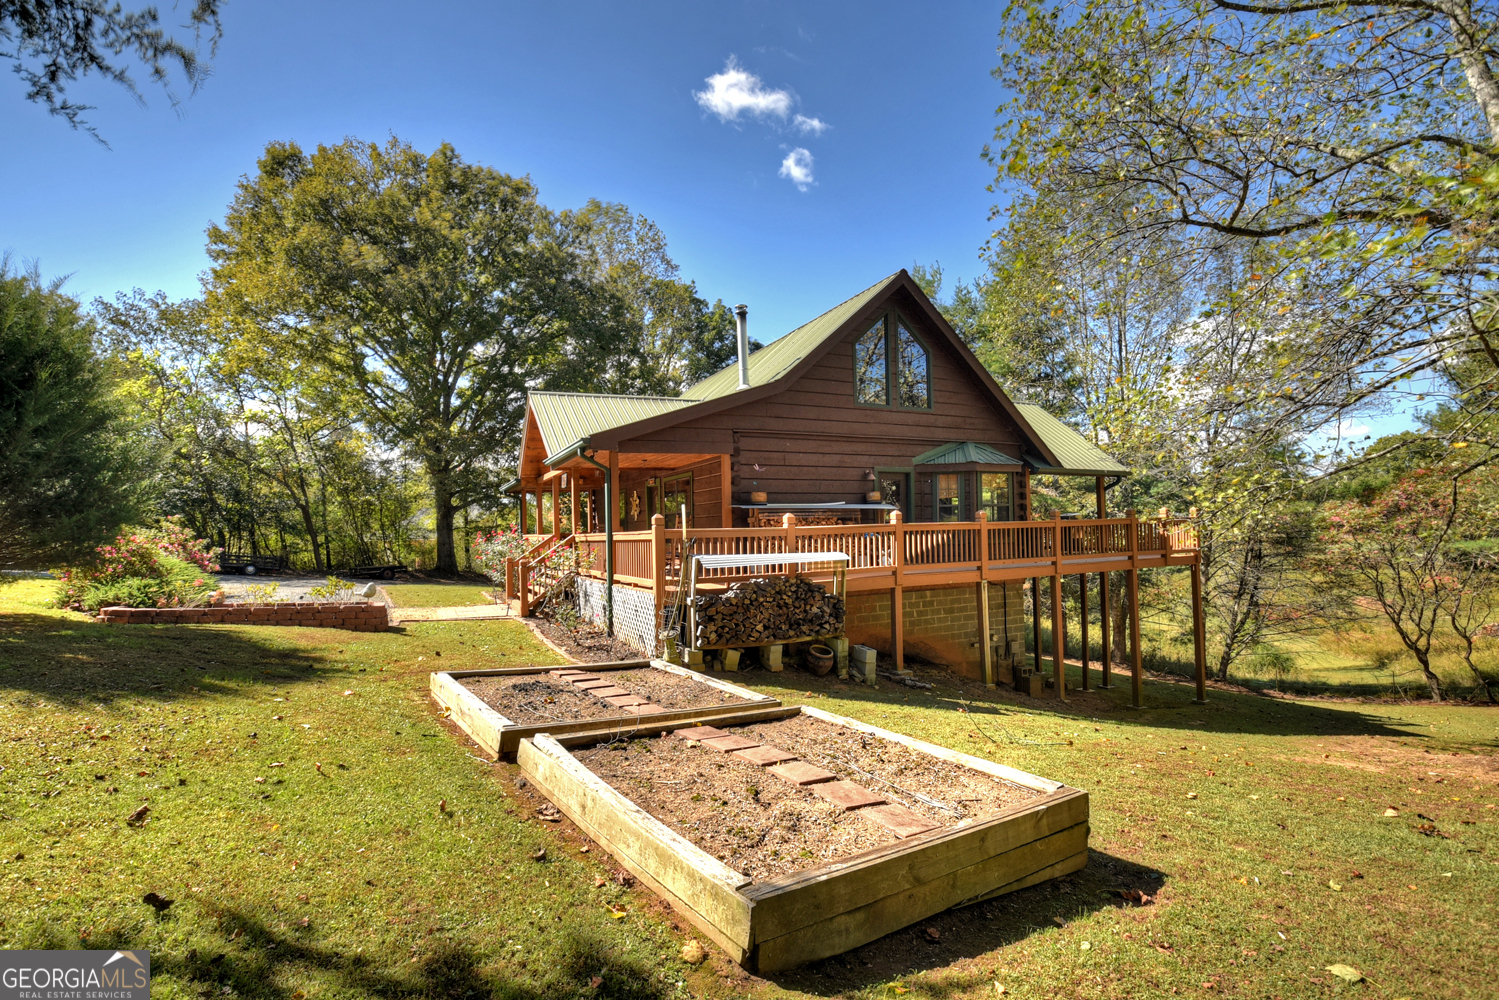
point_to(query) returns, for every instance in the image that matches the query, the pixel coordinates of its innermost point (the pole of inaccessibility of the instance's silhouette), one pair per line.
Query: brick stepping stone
(723, 744)
(846, 794)
(899, 820)
(699, 733)
(566, 672)
(623, 700)
(644, 709)
(589, 685)
(582, 676)
(608, 692)
(764, 755)
(801, 773)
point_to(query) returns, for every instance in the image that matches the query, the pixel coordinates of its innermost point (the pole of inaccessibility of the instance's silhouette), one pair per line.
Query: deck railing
(898, 554)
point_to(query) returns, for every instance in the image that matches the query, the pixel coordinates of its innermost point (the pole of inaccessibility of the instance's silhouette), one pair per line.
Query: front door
(895, 488)
(676, 494)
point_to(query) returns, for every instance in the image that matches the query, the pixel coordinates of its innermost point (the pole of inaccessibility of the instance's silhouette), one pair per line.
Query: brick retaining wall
(355, 617)
(941, 624)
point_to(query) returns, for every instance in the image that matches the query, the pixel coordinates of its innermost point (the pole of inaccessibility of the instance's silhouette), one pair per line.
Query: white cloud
(736, 91)
(797, 168)
(809, 126)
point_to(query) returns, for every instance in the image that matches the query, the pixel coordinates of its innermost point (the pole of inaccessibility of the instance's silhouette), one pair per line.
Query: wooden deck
(883, 556)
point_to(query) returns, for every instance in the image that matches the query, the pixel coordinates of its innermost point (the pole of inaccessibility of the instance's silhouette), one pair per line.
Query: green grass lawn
(436, 595)
(351, 879)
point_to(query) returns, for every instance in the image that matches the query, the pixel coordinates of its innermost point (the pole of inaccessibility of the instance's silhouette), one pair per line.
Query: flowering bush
(162, 567)
(490, 551)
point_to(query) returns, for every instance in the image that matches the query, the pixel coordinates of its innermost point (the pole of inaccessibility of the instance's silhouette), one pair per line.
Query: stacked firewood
(758, 519)
(762, 612)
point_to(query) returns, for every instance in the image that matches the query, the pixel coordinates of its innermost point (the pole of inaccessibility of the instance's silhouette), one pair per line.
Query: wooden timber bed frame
(829, 908)
(498, 735)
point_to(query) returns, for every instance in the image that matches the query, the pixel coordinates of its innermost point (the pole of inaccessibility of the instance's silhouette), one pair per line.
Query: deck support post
(1105, 623)
(1058, 626)
(1082, 593)
(1199, 633)
(986, 637)
(897, 594)
(1036, 623)
(1136, 667)
(556, 502)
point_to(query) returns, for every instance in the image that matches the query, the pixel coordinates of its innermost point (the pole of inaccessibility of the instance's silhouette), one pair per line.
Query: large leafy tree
(51, 43)
(67, 470)
(433, 292)
(1353, 142)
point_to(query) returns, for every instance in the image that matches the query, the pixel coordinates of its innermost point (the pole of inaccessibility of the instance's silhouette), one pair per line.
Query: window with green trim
(892, 367)
(950, 497)
(995, 497)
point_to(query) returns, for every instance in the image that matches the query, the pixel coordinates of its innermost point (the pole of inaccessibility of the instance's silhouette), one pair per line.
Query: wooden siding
(814, 444)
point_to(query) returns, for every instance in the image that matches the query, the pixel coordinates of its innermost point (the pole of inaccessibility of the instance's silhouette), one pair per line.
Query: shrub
(180, 585)
(490, 551)
(159, 567)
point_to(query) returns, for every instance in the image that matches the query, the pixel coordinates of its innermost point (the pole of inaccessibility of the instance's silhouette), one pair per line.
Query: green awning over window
(964, 453)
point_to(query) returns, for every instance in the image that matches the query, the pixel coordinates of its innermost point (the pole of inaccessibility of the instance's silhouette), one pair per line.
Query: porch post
(1082, 593)
(525, 498)
(986, 640)
(725, 490)
(572, 489)
(1104, 625)
(897, 593)
(658, 570)
(611, 496)
(1199, 632)
(556, 497)
(1058, 626)
(1137, 670)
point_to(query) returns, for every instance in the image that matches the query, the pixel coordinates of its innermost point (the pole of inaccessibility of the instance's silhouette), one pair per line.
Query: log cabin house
(871, 430)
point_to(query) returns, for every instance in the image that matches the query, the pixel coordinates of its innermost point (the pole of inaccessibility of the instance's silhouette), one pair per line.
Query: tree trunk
(442, 496)
(1432, 681)
(310, 524)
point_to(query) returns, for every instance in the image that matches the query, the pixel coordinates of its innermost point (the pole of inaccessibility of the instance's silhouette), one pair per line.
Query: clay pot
(819, 659)
(759, 498)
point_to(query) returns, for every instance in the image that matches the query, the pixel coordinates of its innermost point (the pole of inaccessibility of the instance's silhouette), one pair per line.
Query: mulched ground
(531, 699)
(586, 643)
(767, 827)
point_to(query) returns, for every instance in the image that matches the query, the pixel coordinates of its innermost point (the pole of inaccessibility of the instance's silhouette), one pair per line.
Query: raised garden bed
(357, 617)
(498, 708)
(799, 834)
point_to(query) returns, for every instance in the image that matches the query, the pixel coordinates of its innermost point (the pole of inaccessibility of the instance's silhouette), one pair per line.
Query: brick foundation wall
(941, 624)
(355, 617)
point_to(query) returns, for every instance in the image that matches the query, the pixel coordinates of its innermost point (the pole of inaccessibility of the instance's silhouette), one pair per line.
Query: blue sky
(589, 99)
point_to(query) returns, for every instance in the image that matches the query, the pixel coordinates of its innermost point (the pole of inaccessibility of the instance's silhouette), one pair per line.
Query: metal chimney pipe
(741, 324)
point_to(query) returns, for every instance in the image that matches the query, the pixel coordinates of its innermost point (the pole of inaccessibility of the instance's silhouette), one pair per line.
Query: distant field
(436, 595)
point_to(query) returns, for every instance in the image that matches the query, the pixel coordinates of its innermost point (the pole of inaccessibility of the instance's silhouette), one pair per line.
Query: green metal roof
(1076, 455)
(567, 417)
(963, 453)
(774, 360)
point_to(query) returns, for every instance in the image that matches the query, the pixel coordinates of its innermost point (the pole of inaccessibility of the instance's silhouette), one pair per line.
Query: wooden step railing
(531, 577)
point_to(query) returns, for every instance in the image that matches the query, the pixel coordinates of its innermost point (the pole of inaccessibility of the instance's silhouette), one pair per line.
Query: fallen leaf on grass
(1191, 795)
(616, 911)
(1137, 896)
(1392, 811)
(138, 818)
(540, 855)
(595, 982)
(1346, 972)
(600, 882)
(998, 989)
(693, 953)
(158, 903)
(1334, 887)
(932, 934)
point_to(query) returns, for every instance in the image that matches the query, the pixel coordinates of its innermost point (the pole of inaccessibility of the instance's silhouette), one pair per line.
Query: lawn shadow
(1168, 704)
(76, 660)
(979, 929)
(258, 961)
